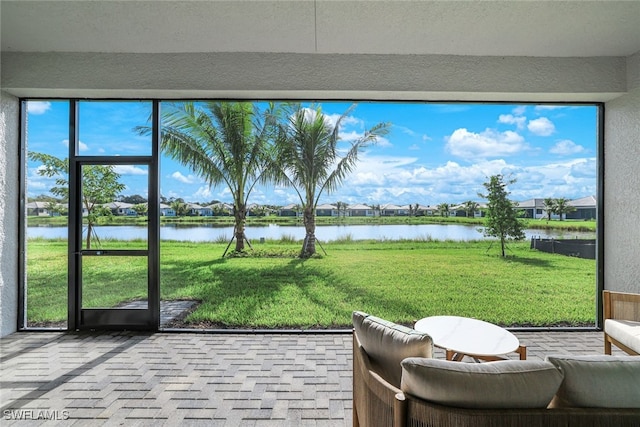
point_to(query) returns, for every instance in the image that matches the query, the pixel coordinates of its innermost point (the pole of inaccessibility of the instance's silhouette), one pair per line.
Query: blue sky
(434, 153)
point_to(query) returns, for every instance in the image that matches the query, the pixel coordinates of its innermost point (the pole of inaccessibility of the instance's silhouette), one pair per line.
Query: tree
(309, 161)
(562, 207)
(222, 142)
(180, 208)
(99, 185)
(470, 207)
(502, 214)
(443, 208)
(141, 208)
(549, 207)
(342, 208)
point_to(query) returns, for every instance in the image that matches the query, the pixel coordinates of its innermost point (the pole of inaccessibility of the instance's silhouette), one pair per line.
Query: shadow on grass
(294, 294)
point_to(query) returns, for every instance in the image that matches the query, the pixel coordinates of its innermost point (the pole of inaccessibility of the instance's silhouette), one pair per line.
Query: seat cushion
(387, 343)
(627, 332)
(495, 385)
(600, 381)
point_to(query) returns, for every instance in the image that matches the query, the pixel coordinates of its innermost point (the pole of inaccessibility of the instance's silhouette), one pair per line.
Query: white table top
(468, 336)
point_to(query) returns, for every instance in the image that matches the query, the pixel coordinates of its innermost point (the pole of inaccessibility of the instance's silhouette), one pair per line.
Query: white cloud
(519, 110)
(130, 170)
(81, 145)
(519, 121)
(426, 137)
(548, 107)
(190, 179)
(541, 126)
(38, 107)
(203, 193)
(414, 147)
(566, 147)
(490, 143)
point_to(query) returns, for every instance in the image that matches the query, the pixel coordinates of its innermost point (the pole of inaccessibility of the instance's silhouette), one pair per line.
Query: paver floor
(128, 378)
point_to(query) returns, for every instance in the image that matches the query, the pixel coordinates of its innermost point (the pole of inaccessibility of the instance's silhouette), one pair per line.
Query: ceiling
(470, 28)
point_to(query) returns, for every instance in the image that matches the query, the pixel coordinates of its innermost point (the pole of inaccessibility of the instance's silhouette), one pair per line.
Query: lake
(324, 233)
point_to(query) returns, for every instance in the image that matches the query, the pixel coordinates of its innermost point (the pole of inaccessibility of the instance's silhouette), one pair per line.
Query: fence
(580, 248)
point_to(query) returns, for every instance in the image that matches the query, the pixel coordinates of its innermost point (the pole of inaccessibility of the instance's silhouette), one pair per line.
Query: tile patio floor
(128, 378)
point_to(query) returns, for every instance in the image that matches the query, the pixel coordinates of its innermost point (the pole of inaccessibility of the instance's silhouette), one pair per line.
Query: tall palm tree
(549, 206)
(563, 207)
(471, 207)
(222, 142)
(309, 160)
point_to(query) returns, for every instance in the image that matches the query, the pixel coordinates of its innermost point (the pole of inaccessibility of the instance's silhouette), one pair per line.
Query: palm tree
(470, 207)
(443, 208)
(563, 207)
(222, 142)
(550, 207)
(308, 160)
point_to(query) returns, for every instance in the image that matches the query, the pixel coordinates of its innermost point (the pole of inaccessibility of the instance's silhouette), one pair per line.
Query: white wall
(9, 203)
(622, 186)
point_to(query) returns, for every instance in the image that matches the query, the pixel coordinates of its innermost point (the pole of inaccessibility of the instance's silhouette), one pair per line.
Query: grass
(271, 288)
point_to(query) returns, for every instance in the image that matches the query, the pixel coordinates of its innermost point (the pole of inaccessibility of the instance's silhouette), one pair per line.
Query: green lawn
(400, 281)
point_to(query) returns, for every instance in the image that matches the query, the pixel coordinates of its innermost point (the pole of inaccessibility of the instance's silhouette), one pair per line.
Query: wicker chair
(621, 317)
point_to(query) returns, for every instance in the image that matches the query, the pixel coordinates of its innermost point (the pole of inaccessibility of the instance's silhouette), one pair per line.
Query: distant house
(290, 210)
(166, 210)
(327, 210)
(585, 208)
(359, 210)
(389, 210)
(195, 209)
(121, 209)
(221, 209)
(403, 210)
(534, 208)
(38, 209)
(427, 210)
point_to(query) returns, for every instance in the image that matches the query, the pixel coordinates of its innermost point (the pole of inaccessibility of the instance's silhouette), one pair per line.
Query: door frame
(113, 318)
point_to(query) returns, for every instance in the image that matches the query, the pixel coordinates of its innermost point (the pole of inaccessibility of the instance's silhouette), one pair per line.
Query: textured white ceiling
(476, 28)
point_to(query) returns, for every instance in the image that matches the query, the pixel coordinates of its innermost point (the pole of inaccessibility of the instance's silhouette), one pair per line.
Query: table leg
(522, 351)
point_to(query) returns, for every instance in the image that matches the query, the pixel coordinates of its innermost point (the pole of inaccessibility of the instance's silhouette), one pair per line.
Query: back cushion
(598, 381)
(496, 385)
(387, 343)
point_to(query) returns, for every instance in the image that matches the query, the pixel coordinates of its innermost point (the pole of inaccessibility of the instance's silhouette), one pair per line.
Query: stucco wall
(622, 193)
(9, 202)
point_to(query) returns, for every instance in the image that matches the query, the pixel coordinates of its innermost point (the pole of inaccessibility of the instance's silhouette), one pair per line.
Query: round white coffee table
(463, 336)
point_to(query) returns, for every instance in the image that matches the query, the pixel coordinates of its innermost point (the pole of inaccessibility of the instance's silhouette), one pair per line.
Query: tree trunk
(309, 245)
(240, 216)
(89, 229)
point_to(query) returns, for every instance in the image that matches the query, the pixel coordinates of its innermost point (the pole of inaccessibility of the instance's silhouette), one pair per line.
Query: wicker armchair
(622, 322)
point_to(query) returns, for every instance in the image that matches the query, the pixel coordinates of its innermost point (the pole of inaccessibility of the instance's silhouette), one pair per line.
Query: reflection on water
(325, 233)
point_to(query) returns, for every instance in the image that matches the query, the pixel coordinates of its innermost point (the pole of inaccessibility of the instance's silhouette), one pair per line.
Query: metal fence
(580, 248)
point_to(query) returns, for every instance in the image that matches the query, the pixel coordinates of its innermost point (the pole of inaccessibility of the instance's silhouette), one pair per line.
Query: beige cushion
(502, 384)
(387, 343)
(627, 332)
(598, 381)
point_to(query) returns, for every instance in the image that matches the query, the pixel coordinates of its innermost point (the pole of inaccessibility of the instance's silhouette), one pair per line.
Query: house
(38, 209)
(221, 209)
(359, 210)
(121, 208)
(166, 210)
(389, 210)
(327, 209)
(585, 208)
(195, 209)
(534, 208)
(291, 209)
(427, 210)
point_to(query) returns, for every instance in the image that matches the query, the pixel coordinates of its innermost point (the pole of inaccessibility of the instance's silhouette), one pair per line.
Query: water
(324, 233)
